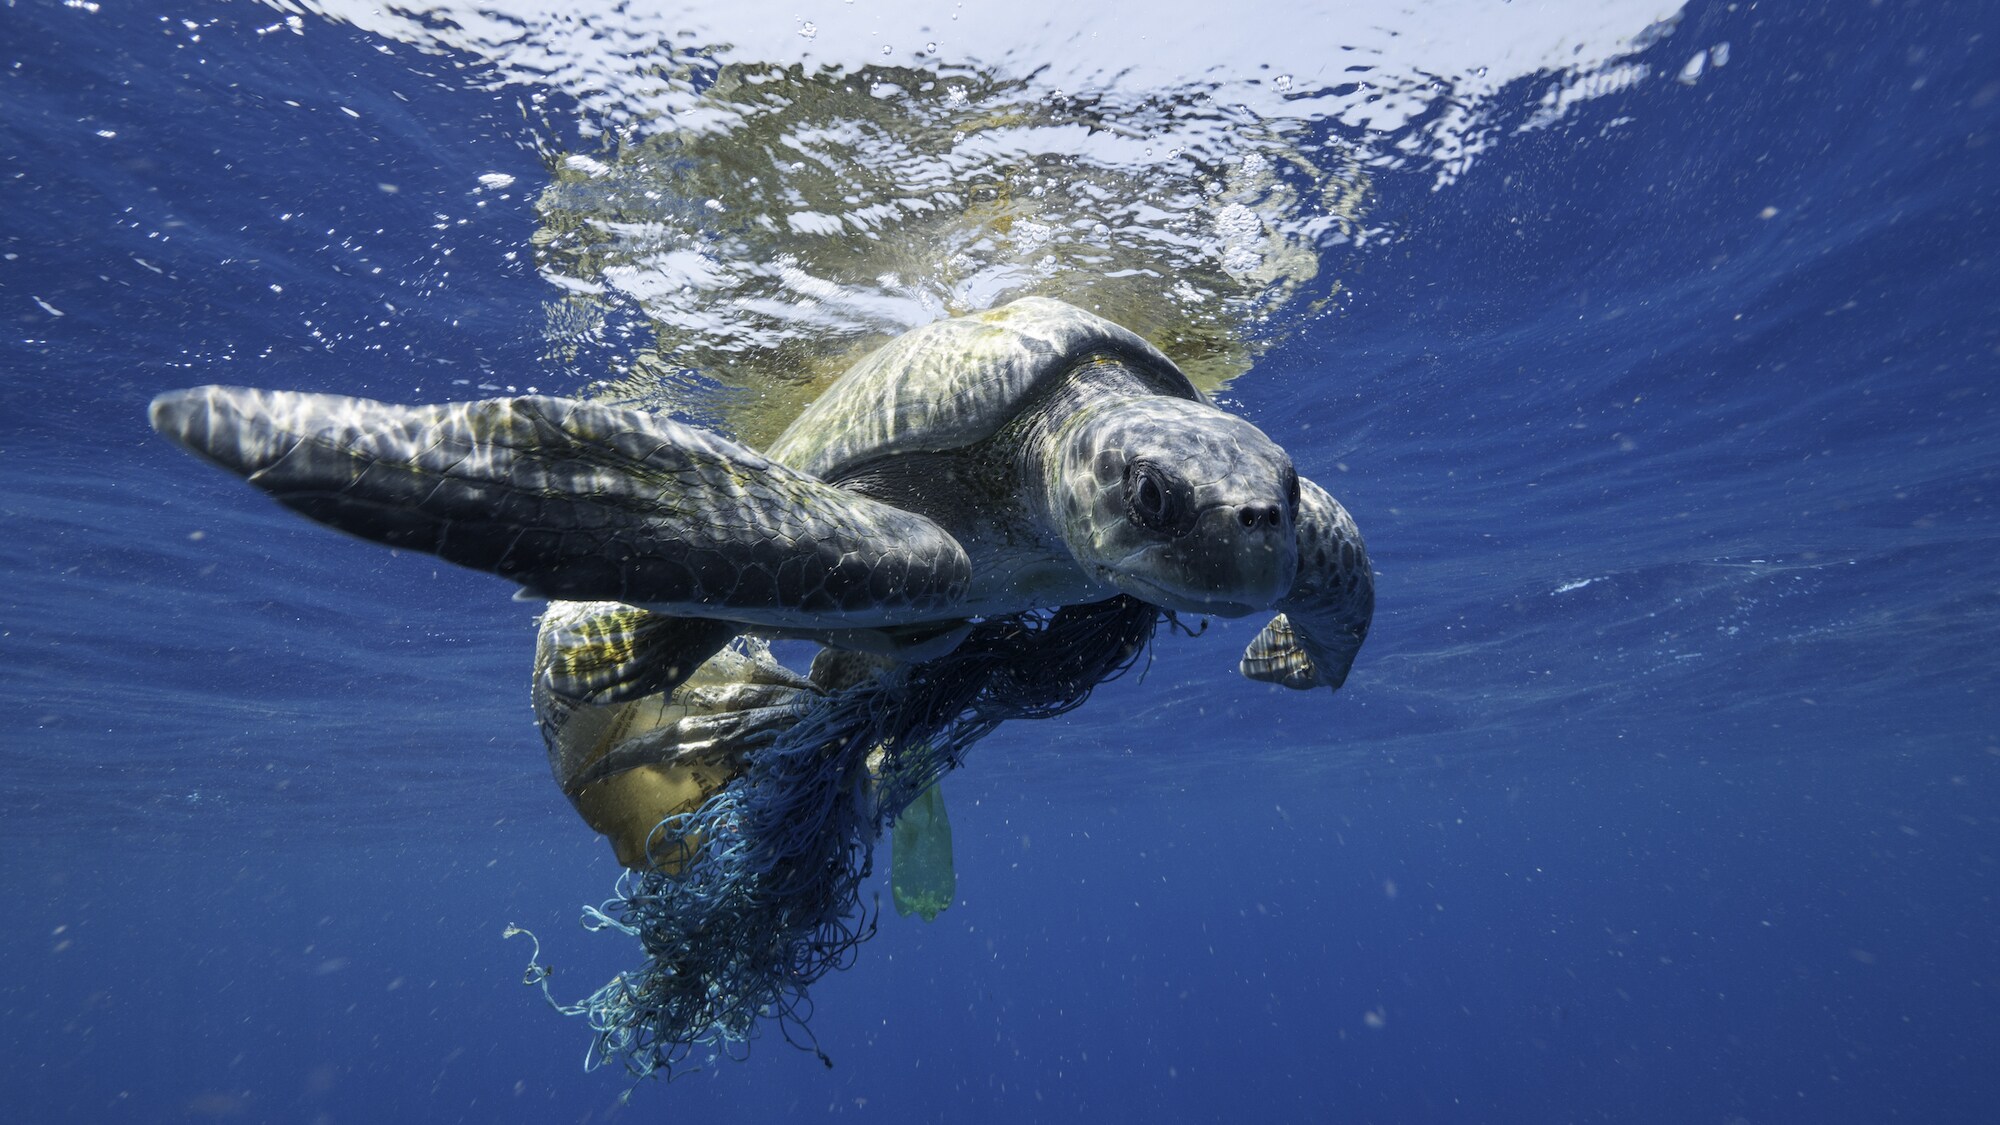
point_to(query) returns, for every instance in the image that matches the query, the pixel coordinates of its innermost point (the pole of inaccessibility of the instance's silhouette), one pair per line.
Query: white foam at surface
(1276, 59)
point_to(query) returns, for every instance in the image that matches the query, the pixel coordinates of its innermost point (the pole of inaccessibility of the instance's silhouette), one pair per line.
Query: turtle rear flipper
(1324, 618)
(581, 502)
(608, 652)
(629, 758)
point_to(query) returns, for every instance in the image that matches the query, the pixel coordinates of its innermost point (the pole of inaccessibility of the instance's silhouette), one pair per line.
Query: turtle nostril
(1250, 515)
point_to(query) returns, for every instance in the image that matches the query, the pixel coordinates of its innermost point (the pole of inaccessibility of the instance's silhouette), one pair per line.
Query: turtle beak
(1222, 568)
(1236, 561)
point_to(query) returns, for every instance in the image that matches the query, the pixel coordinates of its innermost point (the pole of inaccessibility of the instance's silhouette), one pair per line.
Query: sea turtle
(1031, 456)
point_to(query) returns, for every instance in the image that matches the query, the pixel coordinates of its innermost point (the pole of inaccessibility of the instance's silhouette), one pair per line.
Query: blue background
(1664, 790)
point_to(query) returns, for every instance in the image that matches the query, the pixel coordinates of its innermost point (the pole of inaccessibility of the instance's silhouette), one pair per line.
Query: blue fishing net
(764, 894)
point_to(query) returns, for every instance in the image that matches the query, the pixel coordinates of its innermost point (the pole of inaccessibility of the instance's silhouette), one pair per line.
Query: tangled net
(767, 897)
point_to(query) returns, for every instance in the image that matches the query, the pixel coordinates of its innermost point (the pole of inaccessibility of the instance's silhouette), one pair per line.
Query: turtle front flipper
(582, 502)
(1323, 620)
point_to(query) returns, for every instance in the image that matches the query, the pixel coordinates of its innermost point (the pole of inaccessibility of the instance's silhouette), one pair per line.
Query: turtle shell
(954, 383)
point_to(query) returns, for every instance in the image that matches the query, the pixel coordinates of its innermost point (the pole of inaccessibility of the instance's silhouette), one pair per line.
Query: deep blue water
(1663, 791)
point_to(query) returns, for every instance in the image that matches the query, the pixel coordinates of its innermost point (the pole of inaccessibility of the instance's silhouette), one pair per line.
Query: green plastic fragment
(920, 872)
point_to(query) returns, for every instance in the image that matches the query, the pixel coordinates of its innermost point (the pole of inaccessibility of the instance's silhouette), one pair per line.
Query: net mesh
(764, 897)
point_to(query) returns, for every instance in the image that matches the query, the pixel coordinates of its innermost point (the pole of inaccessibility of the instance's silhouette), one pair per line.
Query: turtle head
(1175, 503)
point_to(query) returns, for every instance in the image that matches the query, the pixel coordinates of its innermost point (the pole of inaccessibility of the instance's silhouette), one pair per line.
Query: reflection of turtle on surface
(1029, 457)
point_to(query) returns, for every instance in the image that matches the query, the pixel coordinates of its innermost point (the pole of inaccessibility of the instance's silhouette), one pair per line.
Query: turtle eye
(1150, 500)
(1292, 491)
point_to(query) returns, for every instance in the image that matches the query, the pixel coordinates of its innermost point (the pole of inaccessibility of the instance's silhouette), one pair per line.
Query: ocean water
(1655, 348)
